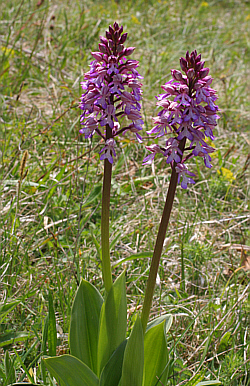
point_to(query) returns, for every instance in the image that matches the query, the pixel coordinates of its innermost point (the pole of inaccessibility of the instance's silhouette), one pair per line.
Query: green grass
(50, 230)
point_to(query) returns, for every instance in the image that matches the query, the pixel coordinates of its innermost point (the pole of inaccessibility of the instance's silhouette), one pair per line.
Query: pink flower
(108, 150)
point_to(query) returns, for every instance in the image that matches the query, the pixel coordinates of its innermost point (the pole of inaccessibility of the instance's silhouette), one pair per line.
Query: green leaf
(84, 325)
(141, 255)
(70, 371)
(44, 347)
(95, 193)
(113, 322)
(12, 337)
(195, 380)
(132, 369)
(112, 372)
(168, 318)
(58, 178)
(52, 334)
(9, 368)
(207, 383)
(6, 308)
(156, 354)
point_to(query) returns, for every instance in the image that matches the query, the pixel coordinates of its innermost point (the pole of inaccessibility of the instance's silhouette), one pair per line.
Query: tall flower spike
(112, 92)
(189, 112)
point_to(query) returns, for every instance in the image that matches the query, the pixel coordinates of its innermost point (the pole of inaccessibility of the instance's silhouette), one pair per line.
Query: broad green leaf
(84, 325)
(12, 337)
(52, 333)
(133, 362)
(9, 368)
(70, 371)
(112, 372)
(207, 383)
(156, 355)
(168, 318)
(113, 322)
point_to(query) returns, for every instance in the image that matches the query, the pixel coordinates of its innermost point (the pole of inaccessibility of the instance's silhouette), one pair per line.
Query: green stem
(159, 244)
(106, 266)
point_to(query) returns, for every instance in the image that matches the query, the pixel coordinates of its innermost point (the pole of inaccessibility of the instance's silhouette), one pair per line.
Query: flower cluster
(112, 91)
(189, 113)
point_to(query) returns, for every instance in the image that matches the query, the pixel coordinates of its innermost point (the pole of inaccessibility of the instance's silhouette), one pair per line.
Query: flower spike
(190, 113)
(111, 89)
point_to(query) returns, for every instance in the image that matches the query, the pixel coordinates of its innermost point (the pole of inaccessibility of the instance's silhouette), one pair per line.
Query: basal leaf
(155, 355)
(132, 369)
(112, 372)
(70, 371)
(168, 318)
(113, 322)
(84, 325)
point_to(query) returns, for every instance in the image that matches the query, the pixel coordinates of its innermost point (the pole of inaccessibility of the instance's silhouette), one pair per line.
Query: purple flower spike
(188, 111)
(112, 90)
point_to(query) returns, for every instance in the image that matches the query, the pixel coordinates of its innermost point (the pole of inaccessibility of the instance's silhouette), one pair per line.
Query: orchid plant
(101, 353)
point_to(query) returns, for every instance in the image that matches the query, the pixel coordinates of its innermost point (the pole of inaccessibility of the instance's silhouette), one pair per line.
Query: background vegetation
(50, 207)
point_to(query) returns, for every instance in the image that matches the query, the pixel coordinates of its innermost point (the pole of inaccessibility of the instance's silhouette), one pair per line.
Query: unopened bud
(108, 35)
(123, 38)
(103, 40)
(116, 26)
(97, 55)
(199, 66)
(203, 73)
(177, 75)
(120, 48)
(128, 51)
(103, 48)
(190, 73)
(183, 64)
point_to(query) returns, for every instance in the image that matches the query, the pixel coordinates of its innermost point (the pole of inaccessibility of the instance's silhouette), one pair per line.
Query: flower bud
(116, 36)
(123, 38)
(198, 58)
(108, 35)
(116, 26)
(111, 44)
(199, 66)
(120, 48)
(183, 64)
(128, 51)
(177, 75)
(190, 73)
(120, 30)
(104, 40)
(103, 48)
(97, 55)
(203, 73)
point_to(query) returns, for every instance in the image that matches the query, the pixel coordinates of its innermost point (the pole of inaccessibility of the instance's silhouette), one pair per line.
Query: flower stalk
(159, 244)
(106, 266)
